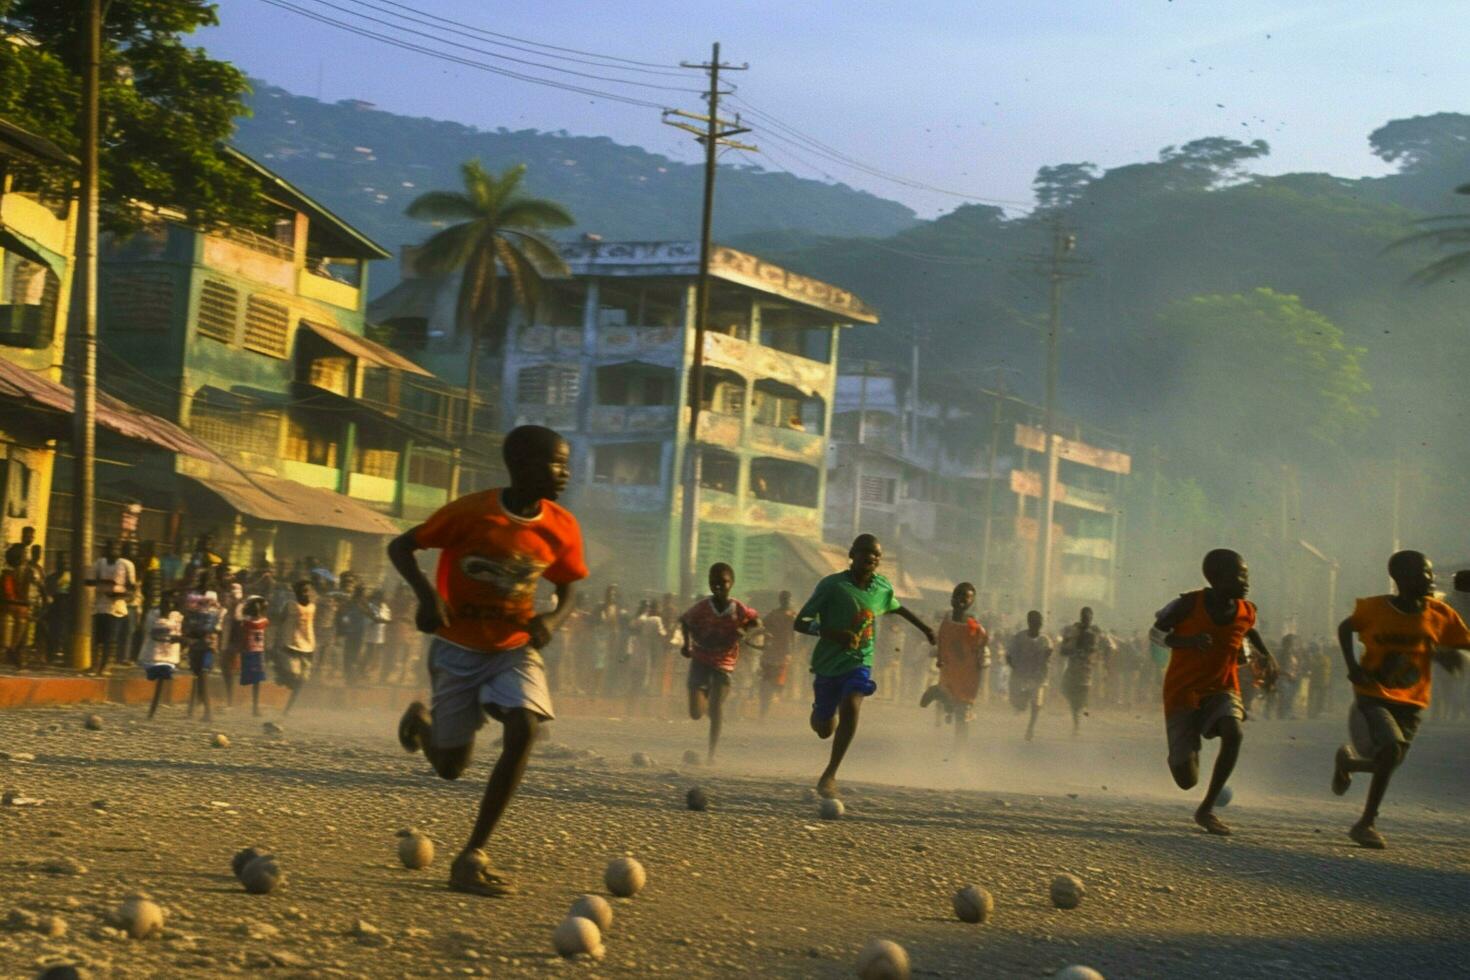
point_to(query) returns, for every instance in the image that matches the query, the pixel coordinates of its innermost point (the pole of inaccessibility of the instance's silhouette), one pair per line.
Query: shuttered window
(139, 301)
(219, 309)
(267, 327)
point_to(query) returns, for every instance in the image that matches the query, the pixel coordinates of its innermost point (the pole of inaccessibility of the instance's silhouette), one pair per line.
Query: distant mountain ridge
(367, 165)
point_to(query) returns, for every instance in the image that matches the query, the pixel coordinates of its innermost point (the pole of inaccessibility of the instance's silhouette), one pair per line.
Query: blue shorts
(252, 668)
(829, 692)
(201, 660)
(159, 672)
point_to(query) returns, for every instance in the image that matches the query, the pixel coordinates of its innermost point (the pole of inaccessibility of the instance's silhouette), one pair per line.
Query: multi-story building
(256, 343)
(952, 481)
(605, 358)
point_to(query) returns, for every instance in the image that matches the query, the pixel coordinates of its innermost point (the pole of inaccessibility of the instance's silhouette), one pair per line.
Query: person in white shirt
(115, 579)
(163, 634)
(377, 637)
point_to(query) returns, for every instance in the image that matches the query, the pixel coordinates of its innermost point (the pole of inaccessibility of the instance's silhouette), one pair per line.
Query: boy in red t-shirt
(485, 657)
(1205, 632)
(962, 661)
(1402, 634)
(713, 631)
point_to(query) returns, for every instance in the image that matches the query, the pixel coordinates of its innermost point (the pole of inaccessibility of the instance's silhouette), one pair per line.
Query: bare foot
(413, 726)
(1366, 836)
(471, 874)
(1341, 778)
(827, 787)
(1211, 823)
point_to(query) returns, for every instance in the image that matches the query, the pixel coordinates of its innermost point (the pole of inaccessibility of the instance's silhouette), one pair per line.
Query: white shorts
(466, 682)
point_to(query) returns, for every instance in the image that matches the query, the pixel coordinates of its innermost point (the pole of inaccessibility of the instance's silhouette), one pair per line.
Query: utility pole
(989, 504)
(716, 133)
(1063, 243)
(84, 351)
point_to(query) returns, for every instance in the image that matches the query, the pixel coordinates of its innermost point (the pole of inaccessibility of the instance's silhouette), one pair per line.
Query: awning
(273, 498)
(112, 414)
(816, 558)
(364, 349)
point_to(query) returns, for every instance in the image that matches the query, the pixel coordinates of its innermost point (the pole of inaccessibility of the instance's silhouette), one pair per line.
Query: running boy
(164, 633)
(1400, 634)
(1029, 657)
(713, 630)
(843, 614)
(1205, 632)
(294, 667)
(251, 627)
(963, 660)
(485, 656)
(776, 656)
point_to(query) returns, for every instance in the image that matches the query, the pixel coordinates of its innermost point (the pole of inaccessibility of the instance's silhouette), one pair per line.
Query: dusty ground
(757, 886)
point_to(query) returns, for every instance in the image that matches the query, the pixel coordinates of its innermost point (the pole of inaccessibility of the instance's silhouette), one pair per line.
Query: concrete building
(606, 360)
(256, 344)
(951, 480)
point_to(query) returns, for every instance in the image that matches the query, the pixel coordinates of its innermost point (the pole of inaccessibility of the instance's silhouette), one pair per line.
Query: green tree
(165, 106)
(1442, 231)
(498, 229)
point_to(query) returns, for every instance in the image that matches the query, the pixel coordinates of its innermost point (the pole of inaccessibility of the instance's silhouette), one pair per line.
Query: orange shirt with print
(1398, 645)
(1193, 675)
(490, 563)
(961, 657)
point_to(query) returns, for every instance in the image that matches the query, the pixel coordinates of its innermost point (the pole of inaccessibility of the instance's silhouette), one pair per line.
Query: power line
(455, 59)
(537, 44)
(492, 54)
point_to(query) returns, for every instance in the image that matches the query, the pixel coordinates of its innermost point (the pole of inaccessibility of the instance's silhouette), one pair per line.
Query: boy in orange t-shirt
(1401, 634)
(1206, 632)
(962, 661)
(485, 657)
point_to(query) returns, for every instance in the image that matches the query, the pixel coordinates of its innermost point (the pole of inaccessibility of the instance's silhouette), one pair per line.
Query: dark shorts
(159, 672)
(1186, 728)
(252, 668)
(829, 692)
(703, 677)
(107, 629)
(201, 660)
(1028, 694)
(1375, 723)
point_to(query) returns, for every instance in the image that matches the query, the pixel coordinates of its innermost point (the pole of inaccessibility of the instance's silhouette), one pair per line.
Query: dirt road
(757, 886)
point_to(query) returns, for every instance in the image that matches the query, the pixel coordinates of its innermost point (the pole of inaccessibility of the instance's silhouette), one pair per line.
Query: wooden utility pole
(716, 133)
(987, 530)
(84, 350)
(1063, 243)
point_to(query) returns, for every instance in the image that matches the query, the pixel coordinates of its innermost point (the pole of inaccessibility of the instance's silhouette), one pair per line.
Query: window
(377, 462)
(719, 471)
(28, 312)
(879, 490)
(548, 384)
(16, 485)
(331, 374)
(633, 464)
(267, 326)
(724, 391)
(428, 469)
(219, 308)
(784, 407)
(231, 427)
(139, 301)
(635, 384)
(784, 482)
(306, 446)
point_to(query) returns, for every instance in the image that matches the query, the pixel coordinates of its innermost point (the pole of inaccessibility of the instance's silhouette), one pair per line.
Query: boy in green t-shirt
(843, 614)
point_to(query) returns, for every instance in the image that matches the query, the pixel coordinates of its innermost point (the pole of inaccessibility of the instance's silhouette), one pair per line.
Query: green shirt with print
(839, 603)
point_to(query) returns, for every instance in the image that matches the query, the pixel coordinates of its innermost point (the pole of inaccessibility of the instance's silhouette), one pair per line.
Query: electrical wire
(461, 29)
(492, 54)
(465, 62)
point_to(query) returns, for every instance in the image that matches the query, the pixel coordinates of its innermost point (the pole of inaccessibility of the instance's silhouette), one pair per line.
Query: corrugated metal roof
(296, 197)
(112, 414)
(274, 498)
(364, 349)
(36, 146)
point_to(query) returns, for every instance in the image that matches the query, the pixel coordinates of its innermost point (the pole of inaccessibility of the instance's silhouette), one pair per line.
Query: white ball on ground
(93, 723)
(883, 959)
(642, 760)
(577, 936)
(1067, 891)
(593, 907)
(140, 918)
(973, 904)
(220, 740)
(262, 876)
(624, 877)
(831, 809)
(243, 857)
(1076, 972)
(1226, 795)
(415, 851)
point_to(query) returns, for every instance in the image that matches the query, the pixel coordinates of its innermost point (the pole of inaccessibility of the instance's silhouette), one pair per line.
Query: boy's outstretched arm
(433, 612)
(1272, 668)
(1345, 633)
(903, 612)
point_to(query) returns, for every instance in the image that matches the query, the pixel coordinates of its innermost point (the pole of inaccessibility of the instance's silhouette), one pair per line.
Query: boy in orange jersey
(962, 659)
(485, 657)
(1205, 631)
(1401, 633)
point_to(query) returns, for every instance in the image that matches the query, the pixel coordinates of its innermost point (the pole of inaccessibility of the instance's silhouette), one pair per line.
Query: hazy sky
(971, 97)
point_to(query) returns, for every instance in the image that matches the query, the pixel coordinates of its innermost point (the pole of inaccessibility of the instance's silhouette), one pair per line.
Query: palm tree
(498, 230)
(1442, 231)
